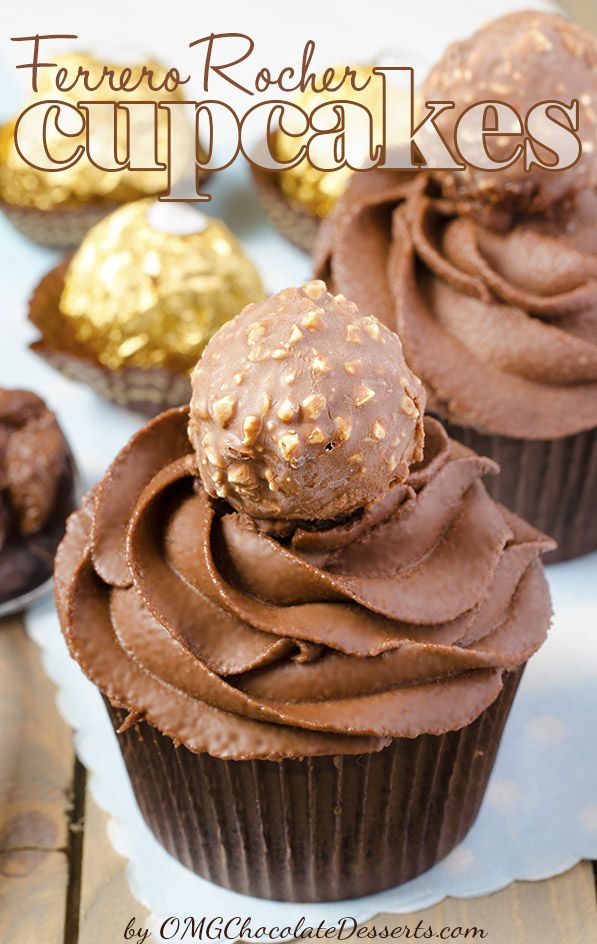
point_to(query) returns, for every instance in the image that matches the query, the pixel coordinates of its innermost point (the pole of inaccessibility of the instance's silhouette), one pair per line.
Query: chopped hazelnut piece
(353, 367)
(409, 406)
(289, 444)
(343, 429)
(214, 458)
(314, 288)
(378, 430)
(251, 428)
(363, 395)
(315, 436)
(286, 411)
(240, 474)
(313, 406)
(223, 410)
(311, 321)
(320, 365)
(257, 331)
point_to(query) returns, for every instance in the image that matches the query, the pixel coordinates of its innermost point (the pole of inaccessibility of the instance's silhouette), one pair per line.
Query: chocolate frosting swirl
(501, 326)
(398, 621)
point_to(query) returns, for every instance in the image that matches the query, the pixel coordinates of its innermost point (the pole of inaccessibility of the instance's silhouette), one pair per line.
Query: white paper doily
(539, 816)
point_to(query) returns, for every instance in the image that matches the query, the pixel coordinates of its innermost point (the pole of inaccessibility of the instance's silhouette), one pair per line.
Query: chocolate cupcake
(37, 494)
(307, 617)
(491, 282)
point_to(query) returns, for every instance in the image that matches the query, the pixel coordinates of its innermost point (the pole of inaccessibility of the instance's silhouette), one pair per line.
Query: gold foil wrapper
(24, 186)
(314, 191)
(136, 294)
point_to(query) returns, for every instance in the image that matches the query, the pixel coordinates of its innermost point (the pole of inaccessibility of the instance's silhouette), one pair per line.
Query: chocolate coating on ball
(303, 408)
(521, 60)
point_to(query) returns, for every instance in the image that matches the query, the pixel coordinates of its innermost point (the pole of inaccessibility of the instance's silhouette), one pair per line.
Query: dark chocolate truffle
(521, 60)
(303, 408)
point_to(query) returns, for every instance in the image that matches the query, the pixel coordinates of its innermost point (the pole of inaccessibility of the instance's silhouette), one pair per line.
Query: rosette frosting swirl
(397, 621)
(499, 323)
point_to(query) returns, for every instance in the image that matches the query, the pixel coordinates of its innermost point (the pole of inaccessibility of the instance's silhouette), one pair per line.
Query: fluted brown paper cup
(320, 828)
(550, 483)
(56, 228)
(298, 227)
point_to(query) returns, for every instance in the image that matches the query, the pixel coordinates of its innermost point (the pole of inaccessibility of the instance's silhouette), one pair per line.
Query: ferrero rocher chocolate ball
(315, 191)
(152, 282)
(304, 409)
(521, 60)
(22, 185)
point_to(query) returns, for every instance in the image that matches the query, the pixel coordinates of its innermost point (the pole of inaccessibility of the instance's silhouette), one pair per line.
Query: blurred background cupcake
(37, 494)
(131, 311)
(490, 278)
(56, 209)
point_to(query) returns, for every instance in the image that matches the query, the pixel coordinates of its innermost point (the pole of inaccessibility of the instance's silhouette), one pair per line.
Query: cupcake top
(36, 491)
(248, 639)
(520, 59)
(495, 302)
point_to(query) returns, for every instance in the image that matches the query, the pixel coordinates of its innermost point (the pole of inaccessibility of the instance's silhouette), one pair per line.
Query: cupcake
(299, 197)
(131, 311)
(57, 209)
(491, 281)
(37, 494)
(307, 617)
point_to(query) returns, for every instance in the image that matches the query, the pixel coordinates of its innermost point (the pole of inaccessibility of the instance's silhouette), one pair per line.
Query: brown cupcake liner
(57, 228)
(320, 828)
(298, 227)
(148, 390)
(550, 483)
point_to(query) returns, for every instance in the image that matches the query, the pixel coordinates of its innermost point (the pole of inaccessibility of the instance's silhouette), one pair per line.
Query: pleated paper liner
(550, 483)
(297, 226)
(57, 228)
(148, 390)
(320, 828)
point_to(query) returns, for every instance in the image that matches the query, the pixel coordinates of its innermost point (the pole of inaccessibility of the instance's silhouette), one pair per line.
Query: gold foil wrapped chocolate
(137, 294)
(314, 191)
(24, 188)
(132, 310)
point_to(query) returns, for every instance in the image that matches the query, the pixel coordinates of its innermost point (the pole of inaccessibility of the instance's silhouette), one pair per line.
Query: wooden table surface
(61, 882)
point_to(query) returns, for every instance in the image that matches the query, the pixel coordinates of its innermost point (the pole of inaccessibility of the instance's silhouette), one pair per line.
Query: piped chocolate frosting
(321, 638)
(501, 326)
